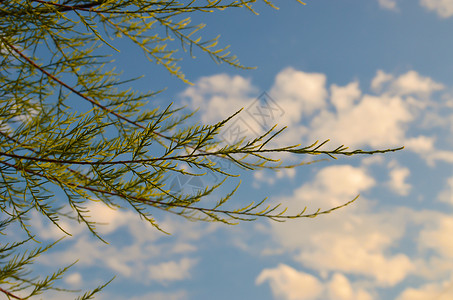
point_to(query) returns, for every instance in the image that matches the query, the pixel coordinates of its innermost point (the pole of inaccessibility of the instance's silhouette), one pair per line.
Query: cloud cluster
(350, 254)
(312, 111)
(446, 195)
(145, 256)
(172, 270)
(355, 251)
(288, 283)
(388, 4)
(354, 241)
(436, 290)
(443, 8)
(397, 181)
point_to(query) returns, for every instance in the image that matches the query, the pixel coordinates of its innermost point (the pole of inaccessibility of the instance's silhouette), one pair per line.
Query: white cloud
(397, 181)
(183, 248)
(388, 4)
(269, 177)
(299, 93)
(219, 96)
(363, 243)
(374, 121)
(90, 253)
(411, 83)
(172, 270)
(171, 295)
(331, 186)
(357, 248)
(296, 93)
(433, 230)
(342, 180)
(444, 8)
(177, 295)
(440, 155)
(446, 195)
(344, 97)
(379, 80)
(436, 290)
(289, 284)
(421, 144)
(49, 231)
(339, 288)
(74, 279)
(293, 95)
(437, 236)
(351, 240)
(107, 218)
(139, 256)
(290, 173)
(347, 117)
(425, 147)
(380, 120)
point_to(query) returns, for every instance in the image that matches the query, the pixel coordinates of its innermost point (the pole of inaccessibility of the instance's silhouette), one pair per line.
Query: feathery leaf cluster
(117, 150)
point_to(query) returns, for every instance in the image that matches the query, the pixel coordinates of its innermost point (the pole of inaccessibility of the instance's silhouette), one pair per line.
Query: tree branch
(208, 211)
(65, 8)
(9, 294)
(331, 153)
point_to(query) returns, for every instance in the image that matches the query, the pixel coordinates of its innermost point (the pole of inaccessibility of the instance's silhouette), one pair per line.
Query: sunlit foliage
(118, 150)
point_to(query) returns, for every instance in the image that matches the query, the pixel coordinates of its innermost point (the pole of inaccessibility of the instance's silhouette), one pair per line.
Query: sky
(371, 74)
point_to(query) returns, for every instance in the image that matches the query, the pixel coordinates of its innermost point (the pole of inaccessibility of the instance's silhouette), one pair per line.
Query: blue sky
(367, 74)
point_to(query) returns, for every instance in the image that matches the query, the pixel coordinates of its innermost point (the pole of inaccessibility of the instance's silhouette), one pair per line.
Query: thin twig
(164, 206)
(9, 294)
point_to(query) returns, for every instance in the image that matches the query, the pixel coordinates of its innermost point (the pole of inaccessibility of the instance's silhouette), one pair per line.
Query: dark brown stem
(9, 294)
(64, 8)
(92, 101)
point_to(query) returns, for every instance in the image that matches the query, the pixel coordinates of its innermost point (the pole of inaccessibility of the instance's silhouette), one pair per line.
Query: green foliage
(108, 152)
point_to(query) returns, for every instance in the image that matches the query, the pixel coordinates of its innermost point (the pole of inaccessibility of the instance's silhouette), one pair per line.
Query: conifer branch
(9, 294)
(331, 153)
(118, 152)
